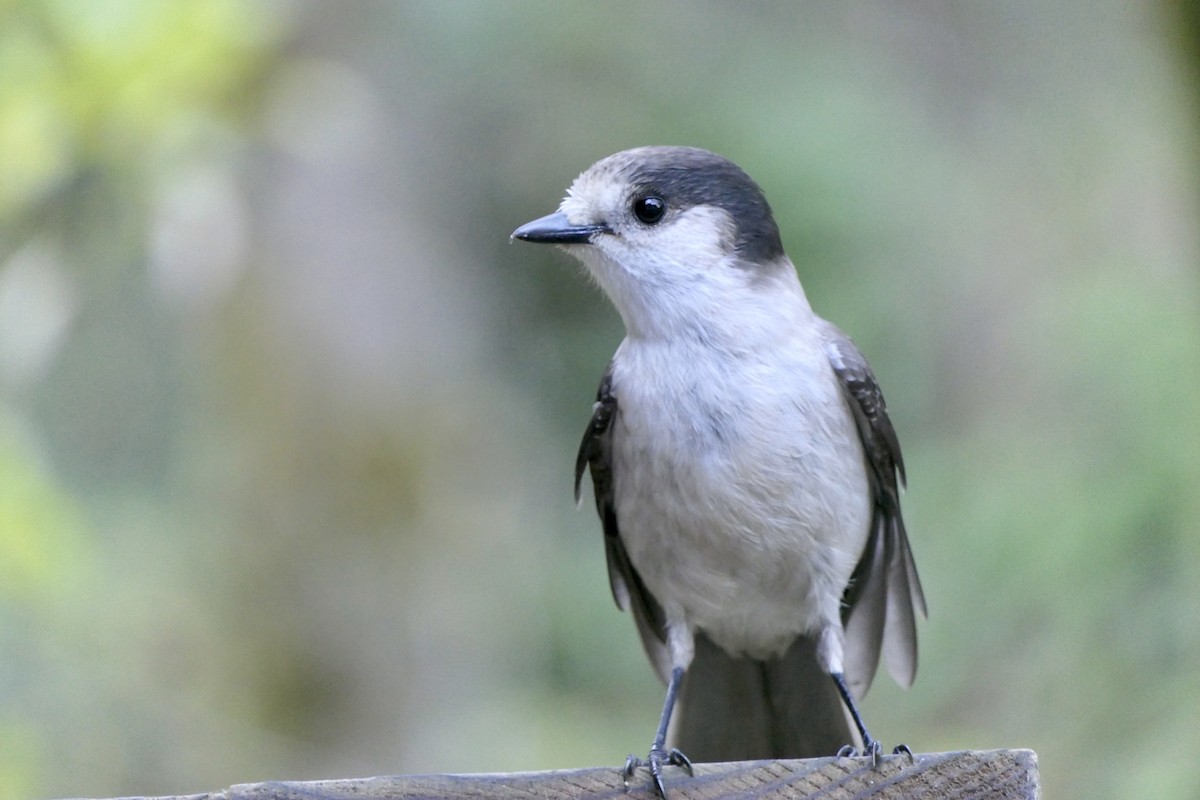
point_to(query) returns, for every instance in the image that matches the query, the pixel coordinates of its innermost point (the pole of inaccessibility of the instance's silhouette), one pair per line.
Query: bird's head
(672, 235)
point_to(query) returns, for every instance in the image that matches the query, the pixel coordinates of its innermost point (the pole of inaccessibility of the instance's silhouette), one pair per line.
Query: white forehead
(598, 190)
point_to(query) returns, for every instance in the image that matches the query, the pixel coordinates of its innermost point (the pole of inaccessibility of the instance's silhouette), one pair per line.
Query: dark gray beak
(555, 229)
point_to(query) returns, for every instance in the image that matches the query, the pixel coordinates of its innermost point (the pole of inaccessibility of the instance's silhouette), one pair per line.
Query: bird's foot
(874, 750)
(655, 761)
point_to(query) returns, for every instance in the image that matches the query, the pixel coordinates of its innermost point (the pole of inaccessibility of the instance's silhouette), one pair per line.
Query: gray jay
(745, 470)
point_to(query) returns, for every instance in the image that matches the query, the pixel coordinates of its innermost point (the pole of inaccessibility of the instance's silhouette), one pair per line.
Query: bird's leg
(871, 746)
(658, 752)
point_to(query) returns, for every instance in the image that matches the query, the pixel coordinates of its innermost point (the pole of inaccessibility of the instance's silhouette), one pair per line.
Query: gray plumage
(744, 467)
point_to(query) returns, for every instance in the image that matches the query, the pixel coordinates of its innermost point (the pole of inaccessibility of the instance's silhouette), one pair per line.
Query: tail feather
(741, 709)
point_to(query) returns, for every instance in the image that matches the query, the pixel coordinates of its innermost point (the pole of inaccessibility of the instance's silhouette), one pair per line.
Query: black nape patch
(690, 176)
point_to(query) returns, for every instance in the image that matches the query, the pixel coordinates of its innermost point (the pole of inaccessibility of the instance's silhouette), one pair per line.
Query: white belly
(741, 494)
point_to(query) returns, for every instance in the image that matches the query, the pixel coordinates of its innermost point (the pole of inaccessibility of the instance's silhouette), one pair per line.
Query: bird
(745, 470)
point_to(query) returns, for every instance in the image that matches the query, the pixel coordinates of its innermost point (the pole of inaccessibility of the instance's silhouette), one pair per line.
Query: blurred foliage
(286, 426)
(106, 85)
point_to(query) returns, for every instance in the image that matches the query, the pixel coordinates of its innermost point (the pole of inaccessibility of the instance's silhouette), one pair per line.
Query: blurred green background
(287, 426)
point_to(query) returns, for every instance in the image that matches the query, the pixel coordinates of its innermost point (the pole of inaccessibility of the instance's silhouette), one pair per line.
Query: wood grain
(977, 775)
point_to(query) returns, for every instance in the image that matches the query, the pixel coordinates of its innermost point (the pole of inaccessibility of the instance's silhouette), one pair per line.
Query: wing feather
(884, 594)
(629, 592)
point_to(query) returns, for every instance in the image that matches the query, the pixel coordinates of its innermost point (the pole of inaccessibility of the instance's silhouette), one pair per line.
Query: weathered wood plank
(977, 775)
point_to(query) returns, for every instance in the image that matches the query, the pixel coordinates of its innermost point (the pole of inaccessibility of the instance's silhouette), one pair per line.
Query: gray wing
(884, 594)
(595, 454)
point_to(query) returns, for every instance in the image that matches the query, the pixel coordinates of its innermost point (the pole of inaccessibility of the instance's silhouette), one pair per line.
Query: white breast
(741, 490)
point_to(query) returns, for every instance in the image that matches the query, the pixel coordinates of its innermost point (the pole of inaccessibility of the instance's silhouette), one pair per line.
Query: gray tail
(741, 709)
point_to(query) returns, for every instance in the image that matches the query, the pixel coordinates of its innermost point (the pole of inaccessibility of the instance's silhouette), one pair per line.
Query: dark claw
(678, 759)
(631, 765)
(655, 761)
(902, 749)
(656, 773)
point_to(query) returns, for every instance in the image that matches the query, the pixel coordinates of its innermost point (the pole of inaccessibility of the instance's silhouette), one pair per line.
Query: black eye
(649, 209)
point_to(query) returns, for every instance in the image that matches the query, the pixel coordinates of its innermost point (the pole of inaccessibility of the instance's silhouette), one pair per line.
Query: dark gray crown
(689, 176)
